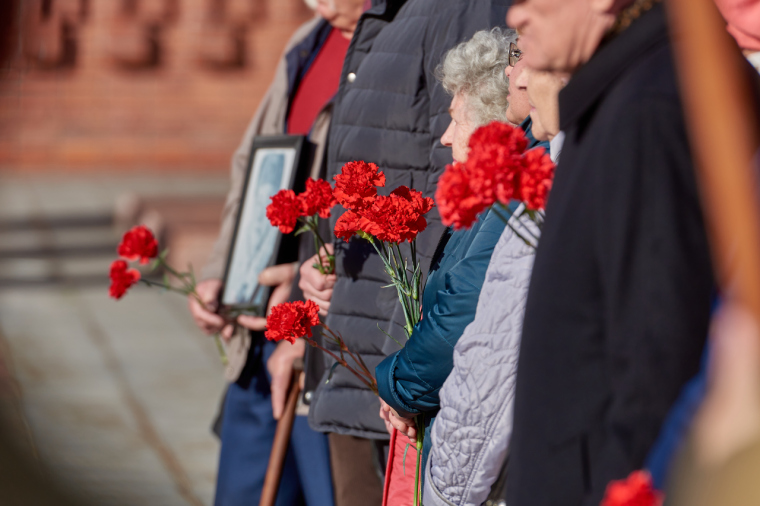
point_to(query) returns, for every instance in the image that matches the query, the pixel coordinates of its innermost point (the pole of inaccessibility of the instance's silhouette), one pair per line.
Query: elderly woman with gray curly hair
(409, 380)
(473, 74)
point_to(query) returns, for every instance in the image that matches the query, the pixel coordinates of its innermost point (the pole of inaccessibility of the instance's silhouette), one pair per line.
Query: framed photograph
(273, 165)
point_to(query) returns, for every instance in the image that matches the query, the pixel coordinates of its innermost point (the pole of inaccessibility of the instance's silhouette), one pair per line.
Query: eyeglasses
(514, 54)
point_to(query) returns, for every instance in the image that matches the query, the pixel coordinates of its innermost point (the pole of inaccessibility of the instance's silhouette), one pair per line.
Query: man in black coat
(619, 301)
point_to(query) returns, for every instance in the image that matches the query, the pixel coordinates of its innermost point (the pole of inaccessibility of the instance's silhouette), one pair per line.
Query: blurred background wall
(113, 113)
(138, 84)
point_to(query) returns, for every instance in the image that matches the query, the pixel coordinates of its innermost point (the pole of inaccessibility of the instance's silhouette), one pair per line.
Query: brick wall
(138, 84)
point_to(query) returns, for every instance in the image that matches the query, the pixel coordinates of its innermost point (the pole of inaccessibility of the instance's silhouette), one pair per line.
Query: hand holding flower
(404, 425)
(203, 310)
(316, 286)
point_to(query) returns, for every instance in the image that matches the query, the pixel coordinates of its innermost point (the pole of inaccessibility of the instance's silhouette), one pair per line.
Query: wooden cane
(282, 439)
(724, 134)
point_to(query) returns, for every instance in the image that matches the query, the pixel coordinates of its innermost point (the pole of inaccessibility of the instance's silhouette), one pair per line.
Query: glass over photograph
(256, 239)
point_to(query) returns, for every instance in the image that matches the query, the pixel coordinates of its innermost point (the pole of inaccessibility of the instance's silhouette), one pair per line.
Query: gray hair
(475, 69)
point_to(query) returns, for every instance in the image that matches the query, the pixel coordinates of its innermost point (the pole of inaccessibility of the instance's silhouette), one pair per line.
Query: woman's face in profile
(457, 135)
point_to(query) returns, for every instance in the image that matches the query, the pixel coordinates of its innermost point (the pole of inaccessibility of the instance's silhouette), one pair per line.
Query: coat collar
(611, 60)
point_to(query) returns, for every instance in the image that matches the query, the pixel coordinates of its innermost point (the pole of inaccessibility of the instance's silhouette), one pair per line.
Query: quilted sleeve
(471, 432)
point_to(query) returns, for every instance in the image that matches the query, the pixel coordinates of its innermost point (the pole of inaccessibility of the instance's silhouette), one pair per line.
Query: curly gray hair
(475, 69)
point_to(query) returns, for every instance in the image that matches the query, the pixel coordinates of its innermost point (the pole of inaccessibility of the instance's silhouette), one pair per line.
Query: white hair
(475, 69)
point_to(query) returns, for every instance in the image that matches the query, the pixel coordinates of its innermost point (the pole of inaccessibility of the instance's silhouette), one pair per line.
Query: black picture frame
(274, 163)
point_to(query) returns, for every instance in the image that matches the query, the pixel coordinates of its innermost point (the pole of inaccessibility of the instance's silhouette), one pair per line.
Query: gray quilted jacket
(471, 433)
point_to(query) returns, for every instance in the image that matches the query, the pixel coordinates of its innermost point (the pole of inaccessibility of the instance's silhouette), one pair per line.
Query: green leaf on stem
(390, 336)
(304, 228)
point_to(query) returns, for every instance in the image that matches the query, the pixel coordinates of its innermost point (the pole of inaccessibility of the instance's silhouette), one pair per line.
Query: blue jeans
(247, 433)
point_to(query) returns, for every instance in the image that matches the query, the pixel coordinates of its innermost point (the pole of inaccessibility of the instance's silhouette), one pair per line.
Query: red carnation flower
(291, 320)
(348, 225)
(636, 490)
(536, 178)
(138, 242)
(356, 185)
(398, 217)
(121, 278)
(284, 210)
(458, 204)
(317, 199)
(494, 162)
(502, 134)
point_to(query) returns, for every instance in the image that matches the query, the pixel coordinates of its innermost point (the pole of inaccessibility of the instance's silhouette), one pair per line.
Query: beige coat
(268, 120)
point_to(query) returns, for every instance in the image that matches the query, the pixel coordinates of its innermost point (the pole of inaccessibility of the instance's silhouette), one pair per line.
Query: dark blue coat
(410, 379)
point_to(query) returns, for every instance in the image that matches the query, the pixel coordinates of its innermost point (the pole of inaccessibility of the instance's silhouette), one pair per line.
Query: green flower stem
(317, 247)
(171, 288)
(188, 289)
(220, 349)
(312, 222)
(512, 227)
(411, 312)
(404, 299)
(413, 246)
(181, 276)
(418, 468)
(530, 213)
(392, 259)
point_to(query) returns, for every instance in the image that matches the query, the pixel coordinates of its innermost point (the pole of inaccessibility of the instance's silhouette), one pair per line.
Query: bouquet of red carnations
(139, 244)
(498, 171)
(288, 209)
(386, 222)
